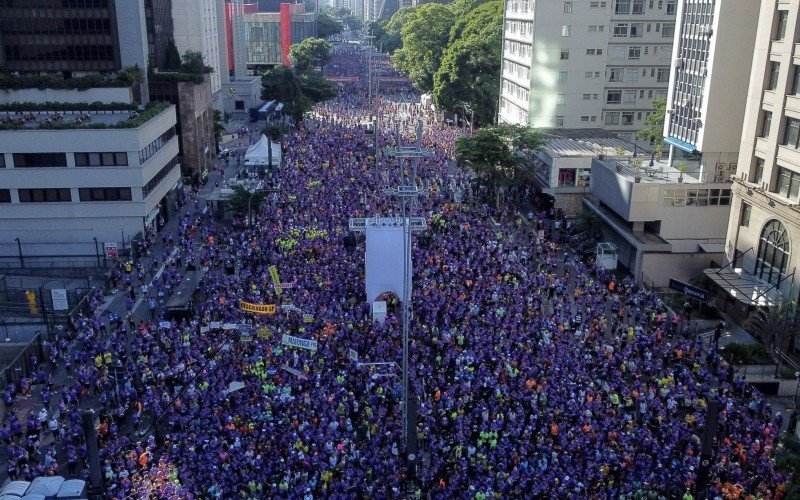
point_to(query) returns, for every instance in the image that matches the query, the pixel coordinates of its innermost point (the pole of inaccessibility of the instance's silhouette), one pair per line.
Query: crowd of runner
(538, 375)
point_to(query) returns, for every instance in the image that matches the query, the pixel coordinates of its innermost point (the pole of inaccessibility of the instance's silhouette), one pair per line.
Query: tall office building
(764, 225)
(711, 59)
(195, 28)
(585, 64)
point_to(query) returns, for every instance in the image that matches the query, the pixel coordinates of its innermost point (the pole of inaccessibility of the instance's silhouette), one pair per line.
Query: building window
(612, 119)
(562, 77)
(567, 7)
(668, 31)
(559, 121)
(744, 221)
(788, 183)
(564, 54)
(44, 195)
(766, 123)
(35, 160)
(5, 196)
(614, 97)
(662, 76)
(101, 159)
(622, 7)
(634, 52)
(774, 73)
(796, 81)
(758, 174)
(239, 105)
(638, 7)
(156, 145)
(566, 30)
(783, 17)
(2, 160)
(792, 133)
(621, 30)
(165, 170)
(561, 99)
(671, 7)
(105, 194)
(773, 253)
(627, 118)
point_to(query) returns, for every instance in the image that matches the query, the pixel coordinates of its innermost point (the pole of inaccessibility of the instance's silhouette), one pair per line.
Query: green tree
(282, 84)
(327, 26)
(172, 61)
(775, 326)
(218, 127)
(309, 54)
(353, 23)
(193, 63)
(392, 38)
(470, 70)
(244, 202)
(497, 153)
(425, 38)
(297, 93)
(653, 130)
(316, 88)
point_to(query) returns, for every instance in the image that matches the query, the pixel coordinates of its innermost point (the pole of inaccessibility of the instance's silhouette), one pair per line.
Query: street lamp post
(19, 247)
(249, 217)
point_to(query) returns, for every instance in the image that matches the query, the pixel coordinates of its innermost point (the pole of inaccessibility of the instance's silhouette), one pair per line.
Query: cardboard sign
(293, 371)
(308, 344)
(257, 308)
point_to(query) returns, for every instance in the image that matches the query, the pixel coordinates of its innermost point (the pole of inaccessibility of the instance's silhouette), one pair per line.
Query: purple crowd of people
(537, 375)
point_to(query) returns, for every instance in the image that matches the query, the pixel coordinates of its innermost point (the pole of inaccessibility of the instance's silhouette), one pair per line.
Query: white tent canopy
(258, 153)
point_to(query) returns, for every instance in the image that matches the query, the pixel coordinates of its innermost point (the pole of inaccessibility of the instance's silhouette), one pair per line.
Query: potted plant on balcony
(682, 170)
(637, 170)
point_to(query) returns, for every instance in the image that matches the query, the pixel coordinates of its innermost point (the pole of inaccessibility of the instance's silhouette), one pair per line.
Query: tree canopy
(653, 130)
(310, 54)
(425, 37)
(497, 153)
(297, 93)
(328, 26)
(468, 74)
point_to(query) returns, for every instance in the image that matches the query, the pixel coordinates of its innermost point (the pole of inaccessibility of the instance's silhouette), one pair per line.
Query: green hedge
(11, 82)
(747, 354)
(63, 106)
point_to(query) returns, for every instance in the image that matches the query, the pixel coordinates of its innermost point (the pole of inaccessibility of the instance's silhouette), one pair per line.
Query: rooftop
(577, 143)
(38, 117)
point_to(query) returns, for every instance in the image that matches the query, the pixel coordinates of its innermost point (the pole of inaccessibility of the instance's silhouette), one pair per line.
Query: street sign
(689, 290)
(111, 250)
(59, 296)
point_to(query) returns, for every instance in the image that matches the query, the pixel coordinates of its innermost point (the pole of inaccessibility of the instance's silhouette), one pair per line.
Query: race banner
(257, 308)
(276, 281)
(311, 345)
(293, 371)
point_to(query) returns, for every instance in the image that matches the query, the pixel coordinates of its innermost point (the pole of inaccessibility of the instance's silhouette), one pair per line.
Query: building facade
(195, 28)
(585, 64)
(64, 190)
(764, 225)
(712, 51)
(268, 35)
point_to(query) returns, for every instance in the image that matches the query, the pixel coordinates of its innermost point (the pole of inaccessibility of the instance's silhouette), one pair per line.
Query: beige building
(764, 226)
(585, 64)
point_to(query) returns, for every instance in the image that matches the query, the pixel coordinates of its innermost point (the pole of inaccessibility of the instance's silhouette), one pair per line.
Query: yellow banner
(257, 308)
(276, 281)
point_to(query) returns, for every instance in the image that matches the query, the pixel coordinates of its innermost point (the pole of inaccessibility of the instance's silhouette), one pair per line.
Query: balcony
(776, 48)
(789, 156)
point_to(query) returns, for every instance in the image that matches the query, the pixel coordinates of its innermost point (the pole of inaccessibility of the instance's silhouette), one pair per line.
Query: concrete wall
(197, 125)
(103, 94)
(658, 268)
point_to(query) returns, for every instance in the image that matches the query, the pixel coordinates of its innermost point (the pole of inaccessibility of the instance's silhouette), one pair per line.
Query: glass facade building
(59, 35)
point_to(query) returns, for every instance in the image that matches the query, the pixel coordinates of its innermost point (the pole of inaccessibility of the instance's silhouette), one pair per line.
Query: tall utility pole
(408, 193)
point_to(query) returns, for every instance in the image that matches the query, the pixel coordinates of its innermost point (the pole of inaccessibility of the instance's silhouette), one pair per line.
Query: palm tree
(774, 326)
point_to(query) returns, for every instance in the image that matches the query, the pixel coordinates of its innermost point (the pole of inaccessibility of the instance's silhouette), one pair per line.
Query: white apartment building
(764, 225)
(711, 58)
(66, 191)
(195, 28)
(585, 64)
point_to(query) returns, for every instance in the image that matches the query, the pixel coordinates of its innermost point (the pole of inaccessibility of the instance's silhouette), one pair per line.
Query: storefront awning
(745, 287)
(689, 148)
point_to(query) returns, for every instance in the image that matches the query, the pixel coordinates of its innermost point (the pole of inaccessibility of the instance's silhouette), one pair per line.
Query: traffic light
(32, 305)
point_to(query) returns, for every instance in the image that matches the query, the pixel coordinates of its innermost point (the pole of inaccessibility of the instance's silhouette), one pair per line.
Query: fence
(46, 255)
(21, 366)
